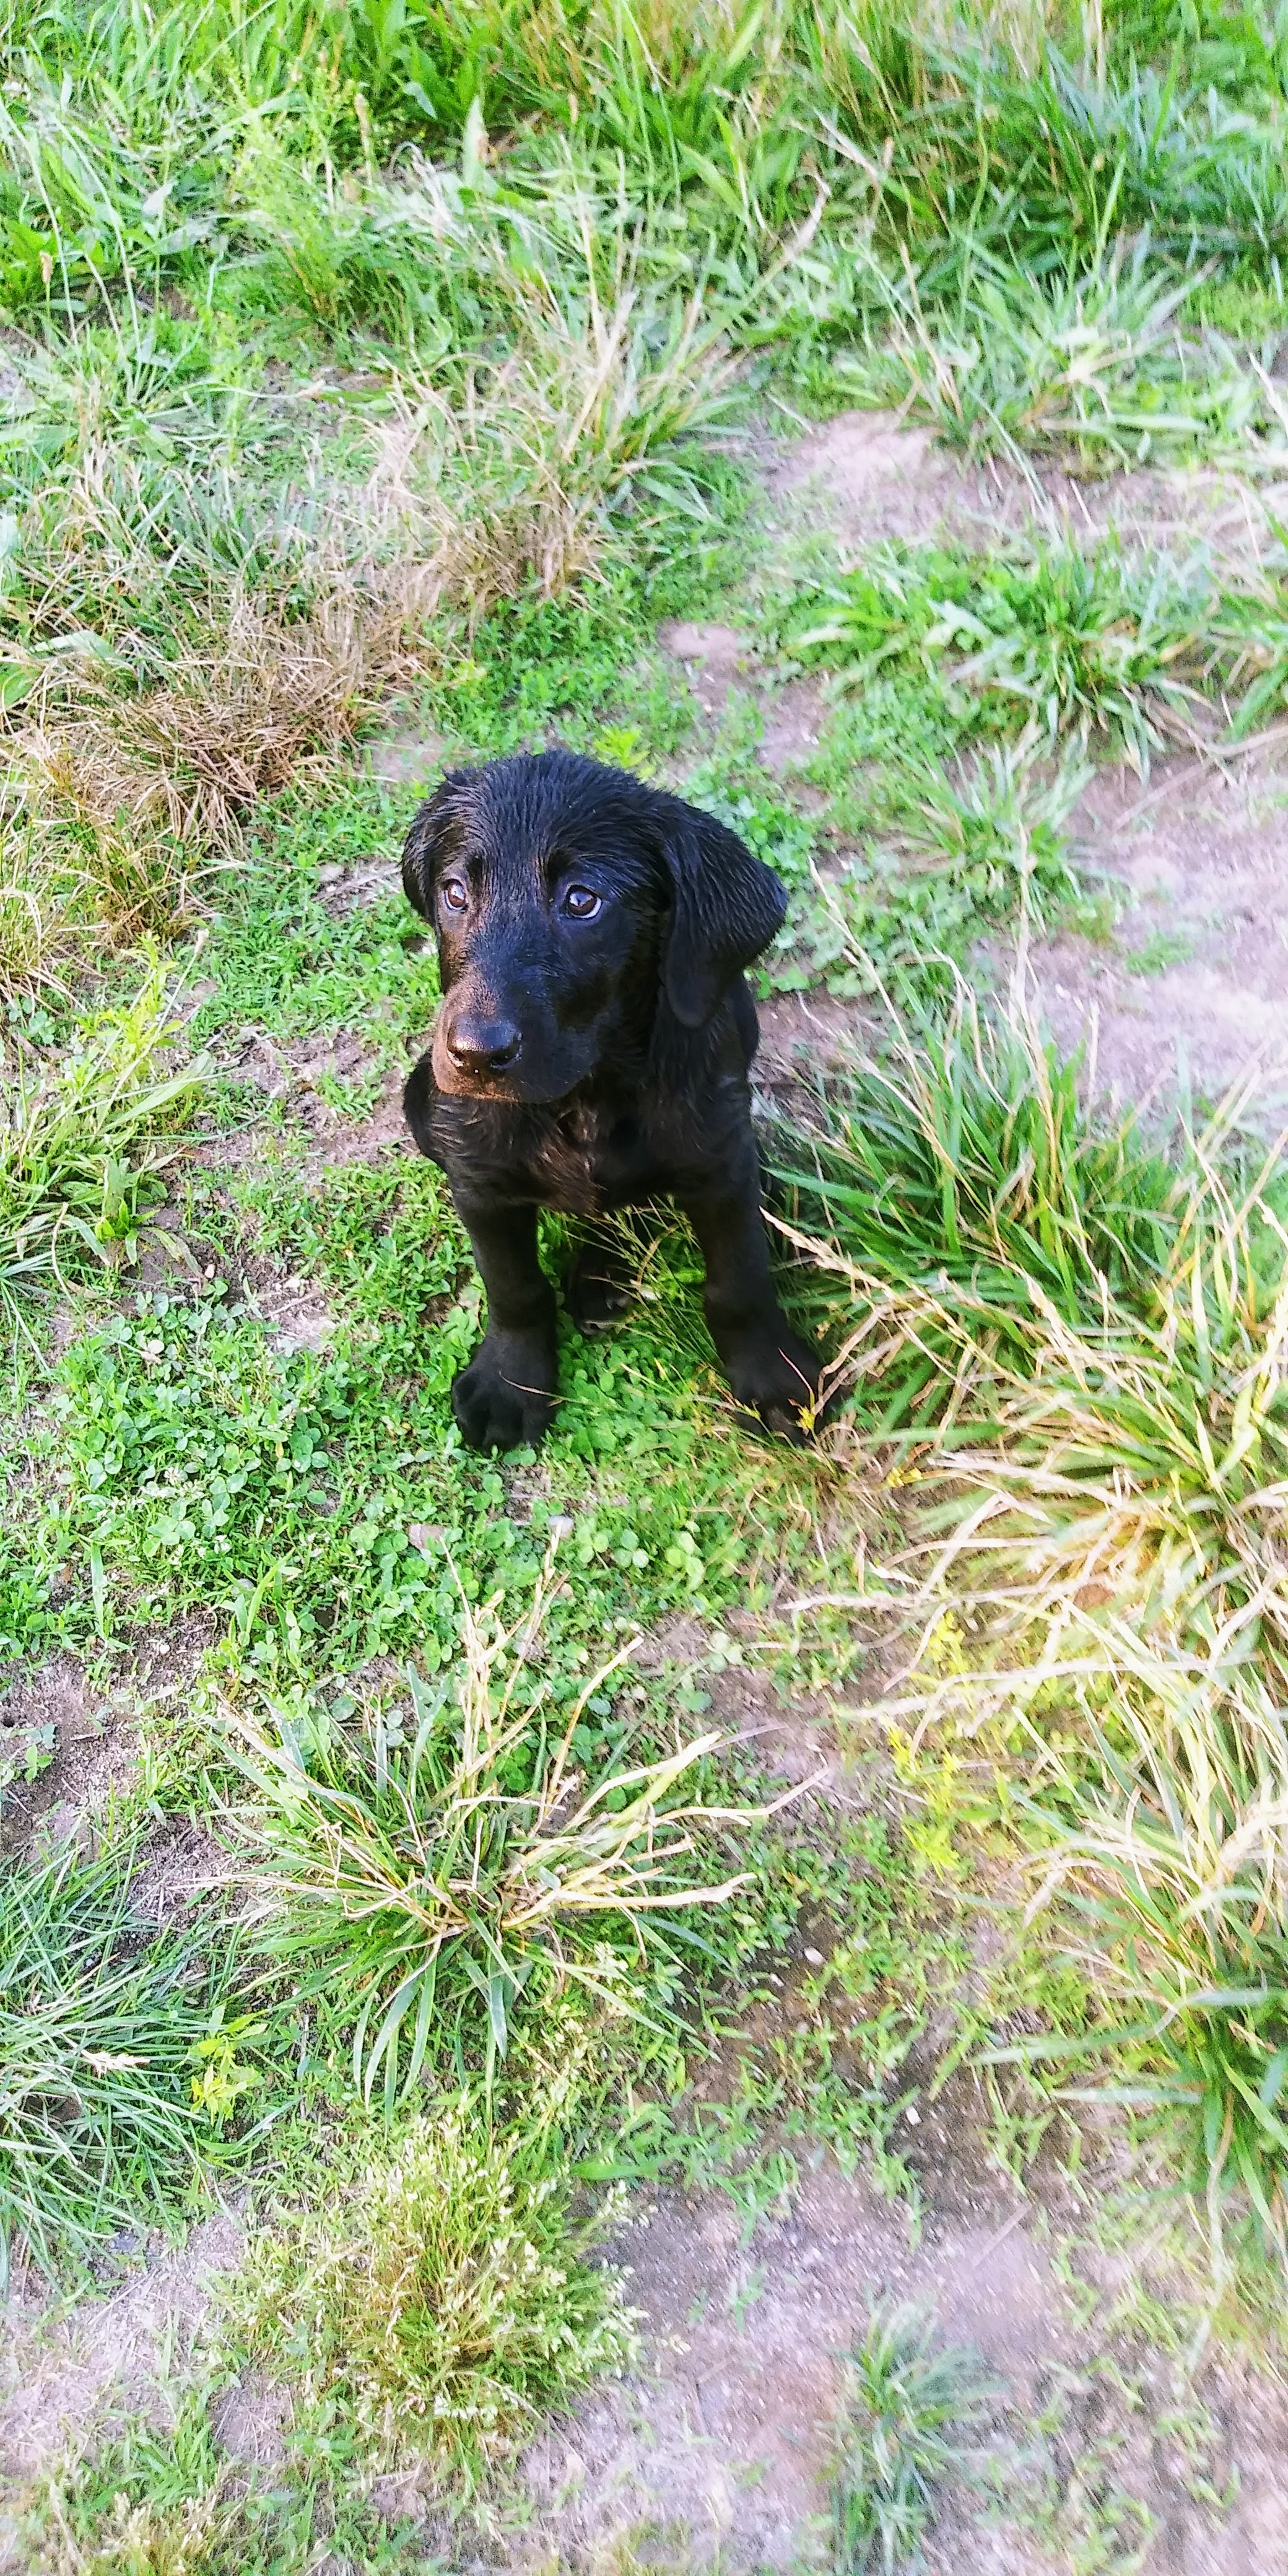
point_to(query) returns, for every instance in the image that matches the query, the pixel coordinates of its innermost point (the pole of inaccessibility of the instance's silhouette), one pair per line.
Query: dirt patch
(870, 475)
(251, 2421)
(724, 2438)
(721, 665)
(85, 1742)
(729, 2428)
(805, 1036)
(359, 883)
(1198, 972)
(63, 2366)
(293, 1309)
(47, 1723)
(867, 476)
(412, 758)
(713, 655)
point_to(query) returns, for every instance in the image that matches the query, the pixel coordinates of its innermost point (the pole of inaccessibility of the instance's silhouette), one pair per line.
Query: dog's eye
(581, 904)
(454, 895)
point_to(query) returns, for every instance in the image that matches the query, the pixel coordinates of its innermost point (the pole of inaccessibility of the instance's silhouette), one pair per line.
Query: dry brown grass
(268, 698)
(120, 806)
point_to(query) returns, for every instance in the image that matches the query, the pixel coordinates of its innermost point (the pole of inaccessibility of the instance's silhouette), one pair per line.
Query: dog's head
(569, 901)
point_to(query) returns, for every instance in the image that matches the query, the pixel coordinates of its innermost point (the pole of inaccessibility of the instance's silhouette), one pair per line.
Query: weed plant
(904, 2430)
(469, 1853)
(451, 2301)
(120, 2069)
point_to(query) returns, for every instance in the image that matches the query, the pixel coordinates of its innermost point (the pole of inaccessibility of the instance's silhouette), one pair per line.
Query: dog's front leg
(771, 1370)
(504, 1397)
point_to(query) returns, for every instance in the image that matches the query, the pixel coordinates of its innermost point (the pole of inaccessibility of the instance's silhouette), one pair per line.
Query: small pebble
(815, 1958)
(913, 2116)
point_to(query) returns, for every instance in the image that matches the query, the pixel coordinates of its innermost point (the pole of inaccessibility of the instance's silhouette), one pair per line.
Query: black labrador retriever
(591, 1053)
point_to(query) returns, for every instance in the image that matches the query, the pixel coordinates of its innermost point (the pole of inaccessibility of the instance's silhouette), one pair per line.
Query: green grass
(121, 2069)
(452, 2300)
(454, 1851)
(1162, 949)
(1091, 367)
(160, 2497)
(88, 1133)
(1044, 642)
(903, 2431)
(1088, 1336)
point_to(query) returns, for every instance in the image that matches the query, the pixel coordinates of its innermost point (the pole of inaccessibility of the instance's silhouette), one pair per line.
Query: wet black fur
(594, 1064)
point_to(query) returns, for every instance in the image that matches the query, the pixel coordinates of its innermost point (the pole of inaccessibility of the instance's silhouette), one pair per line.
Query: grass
(1091, 367)
(89, 1133)
(1049, 643)
(107, 2114)
(458, 1839)
(1090, 1336)
(909, 2408)
(452, 2301)
(160, 2497)
(401, 374)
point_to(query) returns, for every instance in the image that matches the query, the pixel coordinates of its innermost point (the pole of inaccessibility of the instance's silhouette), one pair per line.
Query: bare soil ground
(716, 2452)
(1199, 856)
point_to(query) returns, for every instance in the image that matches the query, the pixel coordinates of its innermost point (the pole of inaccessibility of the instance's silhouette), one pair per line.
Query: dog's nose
(482, 1046)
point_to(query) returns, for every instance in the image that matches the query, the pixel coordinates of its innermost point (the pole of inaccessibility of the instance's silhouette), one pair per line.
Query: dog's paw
(776, 1375)
(599, 1288)
(504, 1398)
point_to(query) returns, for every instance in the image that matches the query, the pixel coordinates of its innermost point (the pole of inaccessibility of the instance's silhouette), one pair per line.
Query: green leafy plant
(903, 2431)
(445, 2300)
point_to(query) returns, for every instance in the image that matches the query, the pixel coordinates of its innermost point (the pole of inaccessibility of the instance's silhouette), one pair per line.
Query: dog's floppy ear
(726, 907)
(435, 833)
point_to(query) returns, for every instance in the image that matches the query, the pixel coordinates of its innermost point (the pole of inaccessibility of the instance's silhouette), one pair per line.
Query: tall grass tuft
(1046, 640)
(1092, 367)
(442, 1859)
(84, 1143)
(909, 2407)
(1085, 1341)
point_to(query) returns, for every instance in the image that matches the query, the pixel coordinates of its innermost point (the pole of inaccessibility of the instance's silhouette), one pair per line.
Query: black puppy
(591, 1053)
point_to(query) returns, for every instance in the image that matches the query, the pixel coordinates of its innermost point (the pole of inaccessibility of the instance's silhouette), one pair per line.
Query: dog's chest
(590, 1160)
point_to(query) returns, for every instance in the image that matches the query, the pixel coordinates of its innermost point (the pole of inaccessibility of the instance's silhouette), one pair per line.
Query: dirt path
(1198, 856)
